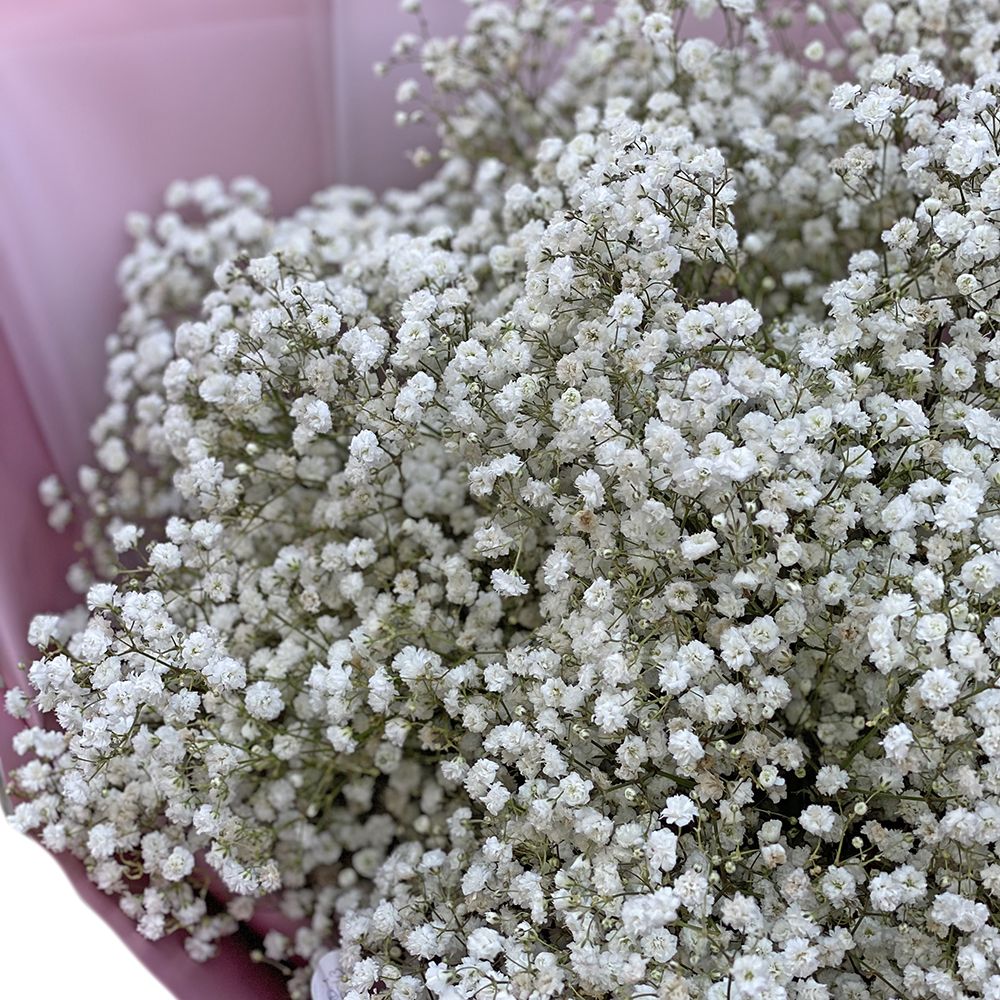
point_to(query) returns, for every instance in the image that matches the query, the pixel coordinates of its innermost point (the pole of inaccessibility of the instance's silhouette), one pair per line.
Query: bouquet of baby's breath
(579, 577)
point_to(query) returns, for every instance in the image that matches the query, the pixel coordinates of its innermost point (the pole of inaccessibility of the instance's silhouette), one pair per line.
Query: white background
(52, 943)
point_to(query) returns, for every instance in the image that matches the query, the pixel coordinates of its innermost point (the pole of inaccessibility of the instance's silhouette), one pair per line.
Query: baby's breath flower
(576, 577)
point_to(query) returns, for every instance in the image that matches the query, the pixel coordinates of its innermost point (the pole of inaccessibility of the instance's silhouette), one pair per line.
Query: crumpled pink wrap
(102, 104)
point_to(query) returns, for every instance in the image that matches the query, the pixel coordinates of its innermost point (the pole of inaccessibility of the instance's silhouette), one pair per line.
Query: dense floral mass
(579, 577)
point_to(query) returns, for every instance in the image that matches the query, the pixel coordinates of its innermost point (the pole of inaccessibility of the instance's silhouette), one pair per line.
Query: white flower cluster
(579, 577)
